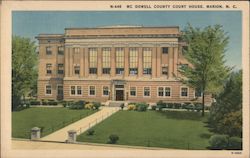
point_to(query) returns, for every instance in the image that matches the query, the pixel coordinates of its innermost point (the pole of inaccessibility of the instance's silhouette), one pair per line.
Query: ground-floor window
(198, 93)
(75, 90)
(60, 90)
(106, 70)
(48, 90)
(164, 91)
(105, 90)
(91, 90)
(146, 91)
(184, 91)
(132, 91)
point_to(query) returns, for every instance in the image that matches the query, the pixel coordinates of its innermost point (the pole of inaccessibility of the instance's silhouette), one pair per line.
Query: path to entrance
(81, 125)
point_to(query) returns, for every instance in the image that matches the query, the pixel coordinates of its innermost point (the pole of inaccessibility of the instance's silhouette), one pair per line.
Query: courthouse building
(119, 63)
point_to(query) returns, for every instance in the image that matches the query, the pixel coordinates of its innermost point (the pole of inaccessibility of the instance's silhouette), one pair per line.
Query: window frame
(58, 88)
(103, 91)
(135, 91)
(48, 69)
(164, 50)
(94, 90)
(60, 68)
(75, 90)
(145, 96)
(181, 92)
(46, 94)
(60, 52)
(48, 52)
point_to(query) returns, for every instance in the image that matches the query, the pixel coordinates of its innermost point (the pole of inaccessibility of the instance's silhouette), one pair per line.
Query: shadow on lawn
(183, 115)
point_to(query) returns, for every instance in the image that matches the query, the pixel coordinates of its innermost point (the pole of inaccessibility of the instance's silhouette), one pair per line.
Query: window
(76, 90)
(92, 60)
(59, 90)
(133, 61)
(184, 92)
(106, 60)
(106, 70)
(91, 90)
(49, 68)
(60, 50)
(92, 70)
(164, 50)
(105, 90)
(73, 90)
(60, 69)
(160, 91)
(79, 90)
(77, 70)
(198, 93)
(48, 90)
(164, 91)
(146, 91)
(132, 91)
(48, 50)
(119, 60)
(167, 91)
(147, 62)
(164, 70)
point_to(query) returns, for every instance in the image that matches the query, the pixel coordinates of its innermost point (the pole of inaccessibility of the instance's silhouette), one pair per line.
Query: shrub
(218, 142)
(90, 132)
(184, 105)
(89, 106)
(44, 102)
(96, 105)
(235, 143)
(169, 105)
(131, 107)
(52, 103)
(35, 102)
(153, 107)
(122, 106)
(113, 138)
(76, 105)
(160, 104)
(190, 107)
(198, 107)
(141, 106)
(177, 106)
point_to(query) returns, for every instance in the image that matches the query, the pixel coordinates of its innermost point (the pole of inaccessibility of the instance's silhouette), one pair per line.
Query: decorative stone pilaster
(71, 136)
(35, 133)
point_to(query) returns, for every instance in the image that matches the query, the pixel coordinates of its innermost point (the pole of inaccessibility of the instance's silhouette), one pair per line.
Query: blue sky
(30, 24)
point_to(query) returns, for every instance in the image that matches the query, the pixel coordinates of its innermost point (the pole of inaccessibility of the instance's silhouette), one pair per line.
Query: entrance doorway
(119, 95)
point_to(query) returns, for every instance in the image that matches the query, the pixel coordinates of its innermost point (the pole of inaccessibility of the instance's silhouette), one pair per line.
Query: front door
(119, 95)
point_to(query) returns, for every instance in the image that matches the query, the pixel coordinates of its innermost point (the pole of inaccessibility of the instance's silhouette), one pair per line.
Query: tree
(226, 114)
(205, 53)
(24, 68)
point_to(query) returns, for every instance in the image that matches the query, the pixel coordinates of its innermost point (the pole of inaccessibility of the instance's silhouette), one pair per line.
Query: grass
(51, 119)
(169, 129)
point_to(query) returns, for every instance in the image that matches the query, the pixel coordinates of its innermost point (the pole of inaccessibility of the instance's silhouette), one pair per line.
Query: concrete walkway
(82, 125)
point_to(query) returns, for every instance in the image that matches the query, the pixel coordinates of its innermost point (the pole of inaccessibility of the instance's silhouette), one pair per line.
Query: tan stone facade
(113, 63)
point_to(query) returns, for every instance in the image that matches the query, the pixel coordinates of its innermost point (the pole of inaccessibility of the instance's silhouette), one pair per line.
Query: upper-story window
(164, 70)
(60, 50)
(106, 60)
(92, 60)
(147, 61)
(133, 61)
(60, 69)
(164, 50)
(48, 50)
(119, 52)
(77, 70)
(49, 68)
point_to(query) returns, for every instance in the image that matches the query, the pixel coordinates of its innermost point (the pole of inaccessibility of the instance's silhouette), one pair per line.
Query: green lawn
(183, 130)
(51, 119)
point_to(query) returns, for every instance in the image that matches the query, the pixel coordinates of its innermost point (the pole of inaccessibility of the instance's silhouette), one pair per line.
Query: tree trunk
(203, 104)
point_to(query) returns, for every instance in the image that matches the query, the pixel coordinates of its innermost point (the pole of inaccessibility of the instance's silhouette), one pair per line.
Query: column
(66, 62)
(86, 62)
(140, 62)
(154, 66)
(175, 60)
(82, 62)
(126, 62)
(71, 62)
(99, 61)
(112, 65)
(158, 62)
(170, 62)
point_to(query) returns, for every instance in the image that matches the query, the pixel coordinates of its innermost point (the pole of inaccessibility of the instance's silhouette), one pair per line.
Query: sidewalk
(82, 125)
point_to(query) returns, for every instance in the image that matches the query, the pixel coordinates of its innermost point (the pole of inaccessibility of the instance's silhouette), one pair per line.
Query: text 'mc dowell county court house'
(118, 63)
